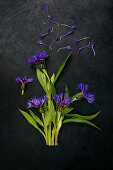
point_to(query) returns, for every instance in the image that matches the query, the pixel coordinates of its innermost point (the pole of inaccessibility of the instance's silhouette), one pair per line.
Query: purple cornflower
(72, 28)
(56, 39)
(38, 58)
(67, 47)
(85, 94)
(24, 82)
(41, 43)
(62, 99)
(37, 102)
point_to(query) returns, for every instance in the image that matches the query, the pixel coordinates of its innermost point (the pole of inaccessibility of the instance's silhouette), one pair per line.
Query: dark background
(81, 147)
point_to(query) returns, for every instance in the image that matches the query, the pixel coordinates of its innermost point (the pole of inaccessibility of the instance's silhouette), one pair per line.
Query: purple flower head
(67, 47)
(85, 94)
(37, 102)
(24, 82)
(62, 99)
(38, 58)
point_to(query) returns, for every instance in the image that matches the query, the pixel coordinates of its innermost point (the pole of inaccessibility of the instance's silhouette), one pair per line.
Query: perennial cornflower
(37, 102)
(24, 82)
(85, 94)
(62, 99)
(38, 58)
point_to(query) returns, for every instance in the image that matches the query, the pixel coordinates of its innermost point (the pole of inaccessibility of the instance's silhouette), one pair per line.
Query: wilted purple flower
(85, 94)
(62, 99)
(67, 47)
(90, 45)
(51, 20)
(43, 35)
(37, 102)
(46, 8)
(72, 28)
(24, 81)
(41, 43)
(38, 58)
(56, 39)
(77, 41)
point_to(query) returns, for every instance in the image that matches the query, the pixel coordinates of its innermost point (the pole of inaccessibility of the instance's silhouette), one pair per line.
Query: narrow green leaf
(42, 78)
(53, 78)
(53, 90)
(83, 117)
(52, 111)
(67, 110)
(45, 72)
(76, 97)
(45, 107)
(31, 121)
(66, 90)
(36, 118)
(47, 119)
(61, 67)
(78, 120)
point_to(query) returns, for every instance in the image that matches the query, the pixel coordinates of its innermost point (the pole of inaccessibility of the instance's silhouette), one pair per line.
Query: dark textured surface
(80, 147)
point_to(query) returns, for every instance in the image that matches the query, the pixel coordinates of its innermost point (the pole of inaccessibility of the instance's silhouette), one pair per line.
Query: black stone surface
(81, 147)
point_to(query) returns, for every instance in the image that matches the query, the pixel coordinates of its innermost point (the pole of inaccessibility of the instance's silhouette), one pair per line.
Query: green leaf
(66, 90)
(45, 72)
(53, 90)
(45, 107)
(76, 97)
(47, 119)
(36, 118)
(83, 117)
(52, 111)
(67, 110)
(42, 78)
(61, 67)
(53, 78)
(31, 121)
(78, 120)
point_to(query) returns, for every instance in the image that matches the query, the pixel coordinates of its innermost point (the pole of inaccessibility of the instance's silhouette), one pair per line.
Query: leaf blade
(61, 67)
(78, 120)
(84, 117)
(36, 118)
(31, 121)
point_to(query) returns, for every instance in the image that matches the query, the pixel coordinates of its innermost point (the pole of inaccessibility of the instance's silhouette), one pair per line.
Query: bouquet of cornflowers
(54, 107)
